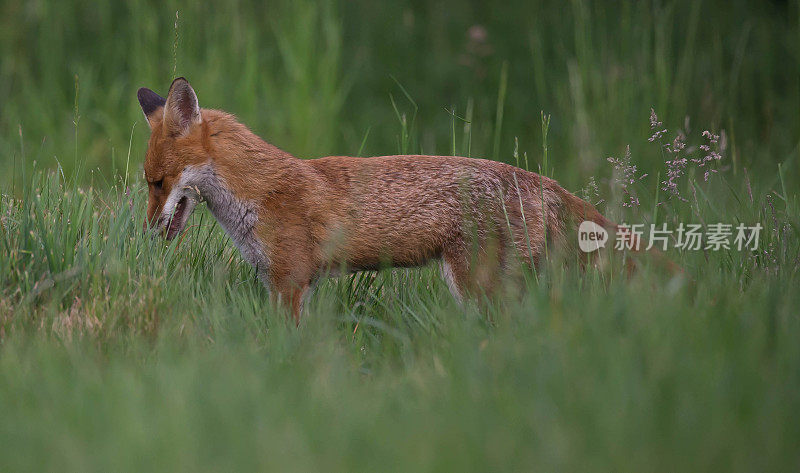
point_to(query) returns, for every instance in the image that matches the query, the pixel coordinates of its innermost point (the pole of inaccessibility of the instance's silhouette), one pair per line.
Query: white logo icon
(591, 236)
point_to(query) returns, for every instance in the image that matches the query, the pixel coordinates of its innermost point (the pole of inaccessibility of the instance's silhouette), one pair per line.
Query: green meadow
(123, 352)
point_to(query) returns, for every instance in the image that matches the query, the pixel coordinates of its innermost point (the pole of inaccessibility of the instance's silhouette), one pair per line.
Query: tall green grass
(124, 352)
(313, 77)
(119, 351)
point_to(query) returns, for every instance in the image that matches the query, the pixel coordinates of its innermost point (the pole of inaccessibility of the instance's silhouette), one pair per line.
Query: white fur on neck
(237, 217)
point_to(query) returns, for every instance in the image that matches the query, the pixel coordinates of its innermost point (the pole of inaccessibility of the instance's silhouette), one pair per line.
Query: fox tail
(579, 210)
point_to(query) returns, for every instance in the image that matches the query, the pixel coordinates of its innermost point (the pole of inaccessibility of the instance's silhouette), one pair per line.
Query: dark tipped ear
(150, 102)
(181, 111)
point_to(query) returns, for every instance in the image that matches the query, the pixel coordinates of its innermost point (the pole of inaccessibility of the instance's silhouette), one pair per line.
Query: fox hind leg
(469, 275)
(452, 275)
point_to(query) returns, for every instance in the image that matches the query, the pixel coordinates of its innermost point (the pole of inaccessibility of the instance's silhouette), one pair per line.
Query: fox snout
(170, 224)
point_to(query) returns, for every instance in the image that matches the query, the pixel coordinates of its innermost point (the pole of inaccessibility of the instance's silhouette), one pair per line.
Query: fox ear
(150, 102)
(181, 111)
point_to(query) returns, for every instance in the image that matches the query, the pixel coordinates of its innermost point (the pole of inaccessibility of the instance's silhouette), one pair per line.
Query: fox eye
(158, 184)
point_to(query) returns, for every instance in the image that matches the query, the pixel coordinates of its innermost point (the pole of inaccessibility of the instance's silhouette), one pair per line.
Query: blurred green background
(316, 78)
(121, 352)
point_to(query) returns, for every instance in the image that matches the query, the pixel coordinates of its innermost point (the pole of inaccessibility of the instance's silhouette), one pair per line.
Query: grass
(122, 352)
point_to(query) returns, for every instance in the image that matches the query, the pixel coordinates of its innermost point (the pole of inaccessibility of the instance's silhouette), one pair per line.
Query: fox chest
(237, 217)
(239, 222)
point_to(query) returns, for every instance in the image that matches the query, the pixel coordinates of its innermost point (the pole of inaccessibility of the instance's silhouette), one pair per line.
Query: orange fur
(314, 215)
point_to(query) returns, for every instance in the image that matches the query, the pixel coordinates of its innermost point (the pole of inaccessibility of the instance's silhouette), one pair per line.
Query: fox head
(178, 144)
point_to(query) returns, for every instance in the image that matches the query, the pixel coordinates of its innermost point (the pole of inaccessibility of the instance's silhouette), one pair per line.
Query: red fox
(295, 219)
